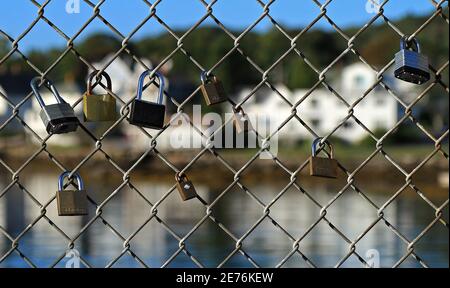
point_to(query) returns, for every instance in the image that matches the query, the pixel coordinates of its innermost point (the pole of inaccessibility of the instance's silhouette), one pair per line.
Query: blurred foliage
(208, 45)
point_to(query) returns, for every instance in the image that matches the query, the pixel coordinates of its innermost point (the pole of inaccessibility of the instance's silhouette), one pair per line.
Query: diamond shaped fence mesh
(235, 235)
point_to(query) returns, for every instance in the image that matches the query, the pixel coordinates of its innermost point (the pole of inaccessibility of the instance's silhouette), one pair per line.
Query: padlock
(98, 108)
(410, 65)
(148, 114)
(322, 167)
(241, 121)
(58, 118)
(185, 187)
(71, 202)
(212, 89)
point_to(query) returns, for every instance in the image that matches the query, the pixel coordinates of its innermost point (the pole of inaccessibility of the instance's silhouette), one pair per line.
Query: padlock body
(412, 67)
(186, 190)
(99, 108)
(241, 123)
(147, 114)
(59, 118)
(72, 203)
(213, 92)
(323, 167)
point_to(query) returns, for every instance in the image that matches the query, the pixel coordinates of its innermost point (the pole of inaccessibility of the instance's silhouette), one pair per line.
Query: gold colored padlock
(71, 202)
(212, 89)
(185, 187)
(99, 108)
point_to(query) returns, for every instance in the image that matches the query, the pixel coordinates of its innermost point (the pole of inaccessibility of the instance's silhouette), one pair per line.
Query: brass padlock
(241, 121)
(322, 167)
(185, 187)
(98, 108)
(71, 202)
(212, 89)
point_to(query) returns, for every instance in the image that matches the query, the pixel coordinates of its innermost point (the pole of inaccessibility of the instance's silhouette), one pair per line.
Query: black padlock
(212, 89)
(148, 114)
(410, 65)
(58, 118)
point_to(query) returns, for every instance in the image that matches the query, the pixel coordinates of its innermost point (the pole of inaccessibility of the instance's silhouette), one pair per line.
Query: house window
(315, 123)
(380, 101)
(380, 124)
(348, 125)
(359, 81)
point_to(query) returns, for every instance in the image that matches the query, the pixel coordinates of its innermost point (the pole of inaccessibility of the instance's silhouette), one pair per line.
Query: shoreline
(379, 174)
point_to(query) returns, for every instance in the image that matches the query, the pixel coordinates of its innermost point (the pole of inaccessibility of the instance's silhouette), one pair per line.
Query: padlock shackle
(91, 77)
(180, 177)
(317, 142)
(66, 174)
(238, 110)
(404, 44)
(141, 86)
(204, 77)
(47, 83)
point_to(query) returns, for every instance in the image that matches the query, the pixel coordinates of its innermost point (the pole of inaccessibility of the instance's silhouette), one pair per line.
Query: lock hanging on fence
(58, 118)
(71, 202)
(148, 114)
(322, 167)
(99, 108)
(185, 187)
(241, 121)
(212, 89)
(410, 65)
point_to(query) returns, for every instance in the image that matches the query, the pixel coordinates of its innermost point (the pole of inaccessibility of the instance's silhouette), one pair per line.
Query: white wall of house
(323, 112)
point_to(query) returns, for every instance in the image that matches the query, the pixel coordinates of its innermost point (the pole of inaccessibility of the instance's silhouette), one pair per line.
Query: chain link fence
(15, 248)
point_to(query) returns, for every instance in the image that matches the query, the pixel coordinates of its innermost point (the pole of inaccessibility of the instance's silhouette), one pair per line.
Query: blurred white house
(322, 111)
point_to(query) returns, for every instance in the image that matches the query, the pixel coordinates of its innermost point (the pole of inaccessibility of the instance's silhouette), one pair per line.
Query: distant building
(322, 111)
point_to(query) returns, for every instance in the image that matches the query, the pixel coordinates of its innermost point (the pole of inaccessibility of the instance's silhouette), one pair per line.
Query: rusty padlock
(322, 167)
(185, 187)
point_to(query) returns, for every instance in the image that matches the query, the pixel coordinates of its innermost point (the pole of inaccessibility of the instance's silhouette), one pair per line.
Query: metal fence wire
(440, 8)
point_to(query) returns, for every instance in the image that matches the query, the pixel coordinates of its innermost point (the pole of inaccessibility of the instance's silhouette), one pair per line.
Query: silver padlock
(410, 65)
(58, 118)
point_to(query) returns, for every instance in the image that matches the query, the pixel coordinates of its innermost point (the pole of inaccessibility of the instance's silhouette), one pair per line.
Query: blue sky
(15, 16)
